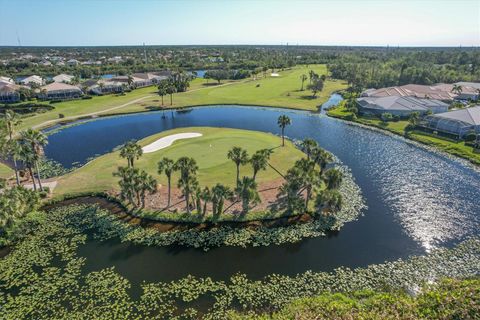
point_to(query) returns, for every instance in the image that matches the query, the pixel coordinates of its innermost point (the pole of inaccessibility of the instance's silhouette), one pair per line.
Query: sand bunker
(168, 140)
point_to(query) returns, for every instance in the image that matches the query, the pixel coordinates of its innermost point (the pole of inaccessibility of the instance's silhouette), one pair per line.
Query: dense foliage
(449, 299)
(43, 277)
(15, 204)
(391, 67)
(226, 235)
(368, 66)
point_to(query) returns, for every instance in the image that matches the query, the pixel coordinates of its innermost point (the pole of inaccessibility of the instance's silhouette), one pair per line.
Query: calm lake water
(417, 200)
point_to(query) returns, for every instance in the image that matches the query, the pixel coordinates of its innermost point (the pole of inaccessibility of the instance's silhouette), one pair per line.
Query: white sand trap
(168, 140)
(274, 75)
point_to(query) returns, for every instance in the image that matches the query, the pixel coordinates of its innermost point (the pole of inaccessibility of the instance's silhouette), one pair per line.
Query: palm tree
(131, 151)
(414, 118)
(37, 140)
(331, 199)
(309, 177)
(307, 146)
(291, 189)
(188, 169)
(188, 185)
(239, 157)
(259, 161)
(197, 195)
(162, 91)
(333, 178)
(282, 122)
(247, 191)
(11, 121)
(220, 193)
(457, 89)
(166, 166)
(130, 80)
(303, 78)
(321, 157)
(101, 85)
(28, 157)
(146, 184)
(127, 183)
(311, 75)
(205, 196)
(171, 89)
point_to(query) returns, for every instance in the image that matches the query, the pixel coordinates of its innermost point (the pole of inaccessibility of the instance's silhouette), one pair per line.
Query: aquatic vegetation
(43, 276)
(108, 226)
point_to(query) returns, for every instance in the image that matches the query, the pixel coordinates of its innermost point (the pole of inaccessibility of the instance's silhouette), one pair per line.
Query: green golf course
(280, 91)
(210, 152)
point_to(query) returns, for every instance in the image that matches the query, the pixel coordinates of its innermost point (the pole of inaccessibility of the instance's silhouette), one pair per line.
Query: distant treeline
(376, 69)
(360, 66)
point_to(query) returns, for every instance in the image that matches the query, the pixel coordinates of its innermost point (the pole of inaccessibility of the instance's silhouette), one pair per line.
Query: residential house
(458, 122)
(59, 91)
(9, 93)
(73, 62)
(65, 78)
(399, 106)
(104, 86)
(33, 79)
(6, 80)
(470, 90)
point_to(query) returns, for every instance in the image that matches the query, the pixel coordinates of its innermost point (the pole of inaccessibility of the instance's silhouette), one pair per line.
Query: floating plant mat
(42, 277)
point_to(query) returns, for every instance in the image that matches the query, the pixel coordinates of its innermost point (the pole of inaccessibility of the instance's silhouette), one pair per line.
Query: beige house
(65, 78)
(59, 91)
(33, 79)
(9, 93)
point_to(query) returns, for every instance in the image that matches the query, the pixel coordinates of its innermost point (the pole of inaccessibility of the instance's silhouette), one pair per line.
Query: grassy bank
(457, 148)
(210, 152)
(450, 299)
(281, 91)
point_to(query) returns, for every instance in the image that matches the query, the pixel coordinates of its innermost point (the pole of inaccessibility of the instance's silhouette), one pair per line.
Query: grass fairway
(282, 91)
(77, 108)
(210, 152)
(5, 171)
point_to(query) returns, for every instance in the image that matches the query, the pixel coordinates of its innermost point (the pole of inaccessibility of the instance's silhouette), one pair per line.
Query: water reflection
(417, 199)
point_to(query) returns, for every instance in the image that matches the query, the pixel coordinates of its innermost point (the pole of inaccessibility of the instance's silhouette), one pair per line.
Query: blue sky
(125, 22)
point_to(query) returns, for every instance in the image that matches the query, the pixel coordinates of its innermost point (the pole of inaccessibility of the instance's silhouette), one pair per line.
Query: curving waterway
(417, 200)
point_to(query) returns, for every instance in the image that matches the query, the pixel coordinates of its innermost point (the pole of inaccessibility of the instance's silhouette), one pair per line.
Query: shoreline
(462, 160)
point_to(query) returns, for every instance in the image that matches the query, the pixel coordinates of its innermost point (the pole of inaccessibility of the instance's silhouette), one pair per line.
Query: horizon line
(240, 45)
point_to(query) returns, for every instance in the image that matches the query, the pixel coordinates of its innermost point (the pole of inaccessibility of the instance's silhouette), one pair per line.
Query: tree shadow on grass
(309, 97)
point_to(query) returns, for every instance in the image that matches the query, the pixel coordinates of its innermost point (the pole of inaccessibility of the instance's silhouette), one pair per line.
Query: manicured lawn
(394, 126)
(282, 91)
(210, 152)
(457, 148)
(5, 171)
(76, 108)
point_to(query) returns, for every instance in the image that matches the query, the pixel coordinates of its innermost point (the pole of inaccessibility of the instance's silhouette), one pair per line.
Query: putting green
(209, 150)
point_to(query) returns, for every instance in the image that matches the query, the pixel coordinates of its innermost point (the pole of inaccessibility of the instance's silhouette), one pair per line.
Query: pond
(200, 73)
(417, 200)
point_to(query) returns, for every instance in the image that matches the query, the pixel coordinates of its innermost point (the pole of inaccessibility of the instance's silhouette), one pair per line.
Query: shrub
(386, 117)
(471, 136)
